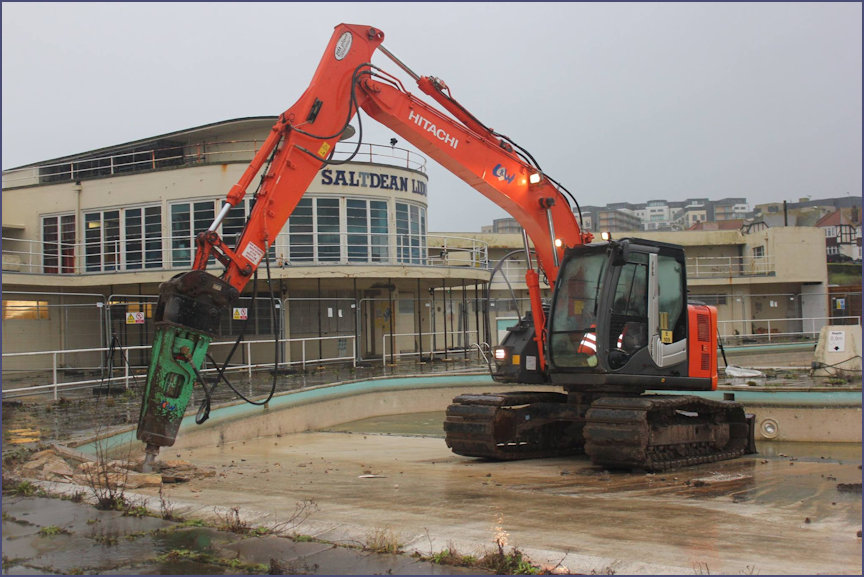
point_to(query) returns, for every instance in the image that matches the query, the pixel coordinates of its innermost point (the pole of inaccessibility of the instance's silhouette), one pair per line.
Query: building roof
(731, 224)
(197, 132)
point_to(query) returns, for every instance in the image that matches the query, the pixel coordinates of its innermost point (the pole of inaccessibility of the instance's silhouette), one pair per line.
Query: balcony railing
(215, 152)
(730, 266)
(176, 253)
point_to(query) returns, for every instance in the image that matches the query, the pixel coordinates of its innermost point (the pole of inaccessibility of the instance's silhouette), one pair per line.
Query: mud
(779, 512)
(795, 508)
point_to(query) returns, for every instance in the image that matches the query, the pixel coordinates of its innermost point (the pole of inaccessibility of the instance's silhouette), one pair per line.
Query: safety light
(606, 235)
(558, 242)
(534, 178)
(500, 353)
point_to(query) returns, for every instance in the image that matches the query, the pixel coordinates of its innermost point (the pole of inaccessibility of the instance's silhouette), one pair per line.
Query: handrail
(71, 259)
(184, 156)
(55, 385)
(386, 336)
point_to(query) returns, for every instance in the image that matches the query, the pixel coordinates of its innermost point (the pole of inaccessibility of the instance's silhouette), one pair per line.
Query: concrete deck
(784, 511)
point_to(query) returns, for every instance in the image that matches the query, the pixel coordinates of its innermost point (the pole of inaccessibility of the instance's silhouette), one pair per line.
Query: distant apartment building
(662, 215)
(620, 217)
(729, 209)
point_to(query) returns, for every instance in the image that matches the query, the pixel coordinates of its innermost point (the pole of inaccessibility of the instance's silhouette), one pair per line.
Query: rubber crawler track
(511, 426)
(652, 433)
(656, 433)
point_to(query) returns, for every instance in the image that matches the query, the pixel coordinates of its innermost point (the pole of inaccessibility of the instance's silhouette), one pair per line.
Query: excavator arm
(300, 143)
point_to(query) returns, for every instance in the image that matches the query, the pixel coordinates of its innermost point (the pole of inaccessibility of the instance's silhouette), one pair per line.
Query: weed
(107, 478)
(16, 455)
(503, 562)
(135, 511)
(701, 568)
(193, 523)
(107, 540)
(382, 541)
(450, 556)
(166, 508)
(52, 530)
(183, 554)
(512, 563)
(231, 521)
(235, 565)
(25, 489)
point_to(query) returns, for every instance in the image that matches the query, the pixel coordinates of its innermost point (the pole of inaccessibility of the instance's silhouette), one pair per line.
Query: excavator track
(510, 426)
(656, 433)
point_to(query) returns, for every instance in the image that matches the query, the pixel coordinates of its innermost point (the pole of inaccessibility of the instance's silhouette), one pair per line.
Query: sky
(619, 102)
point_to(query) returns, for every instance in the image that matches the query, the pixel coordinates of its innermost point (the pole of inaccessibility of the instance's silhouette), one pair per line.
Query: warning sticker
(253, 253)
(134, 318)
(241, 314)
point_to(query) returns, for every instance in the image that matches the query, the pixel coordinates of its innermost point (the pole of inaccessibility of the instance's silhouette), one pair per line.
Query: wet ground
(77, 413)
(794, 508)
(787, 510)
(46, 536)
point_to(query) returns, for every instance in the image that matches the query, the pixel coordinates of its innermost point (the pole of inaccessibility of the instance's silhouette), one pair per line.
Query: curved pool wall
(781, 415)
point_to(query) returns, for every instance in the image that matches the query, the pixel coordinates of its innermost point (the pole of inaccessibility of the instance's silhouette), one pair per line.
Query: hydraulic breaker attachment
(187, 318)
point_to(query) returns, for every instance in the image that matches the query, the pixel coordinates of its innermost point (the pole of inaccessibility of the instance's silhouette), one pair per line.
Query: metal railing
(131, 373)
(176, 253)
(462, 349)
(729, 266)
(778, 330)
(184, 156)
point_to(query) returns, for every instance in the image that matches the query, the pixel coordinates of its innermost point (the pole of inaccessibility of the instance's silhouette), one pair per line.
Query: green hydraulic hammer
(187, 319)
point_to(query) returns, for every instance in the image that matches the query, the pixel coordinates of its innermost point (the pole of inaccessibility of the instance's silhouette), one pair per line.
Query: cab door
(667, 304)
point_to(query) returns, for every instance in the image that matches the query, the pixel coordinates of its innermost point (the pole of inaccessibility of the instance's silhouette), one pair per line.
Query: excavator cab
(620, 310)
(619, 316)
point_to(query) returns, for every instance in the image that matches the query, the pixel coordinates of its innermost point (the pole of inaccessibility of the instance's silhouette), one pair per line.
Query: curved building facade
(354, 269)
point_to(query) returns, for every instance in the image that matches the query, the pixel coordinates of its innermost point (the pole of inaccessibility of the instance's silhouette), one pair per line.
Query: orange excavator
(618, 323)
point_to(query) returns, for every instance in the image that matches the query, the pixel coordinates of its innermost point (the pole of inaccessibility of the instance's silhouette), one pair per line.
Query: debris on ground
(65, 465)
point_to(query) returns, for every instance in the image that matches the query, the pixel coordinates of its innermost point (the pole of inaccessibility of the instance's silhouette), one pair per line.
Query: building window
(713, 300)
(758, 251)
(58, 244)
(127, 239)
(143, 237)
(327, 222)
(410, 234)
(366, 224)
(102, 241)
(187, 220)
(25, 310)
(301, 230)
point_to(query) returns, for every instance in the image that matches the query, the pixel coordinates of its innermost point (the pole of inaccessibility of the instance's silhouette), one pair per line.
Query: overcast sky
(619, 102)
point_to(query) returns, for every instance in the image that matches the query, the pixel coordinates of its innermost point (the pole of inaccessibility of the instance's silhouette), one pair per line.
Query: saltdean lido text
(331, 177)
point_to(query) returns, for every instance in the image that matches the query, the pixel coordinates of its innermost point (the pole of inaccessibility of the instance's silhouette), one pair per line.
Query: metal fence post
(54, 372)
(249, 359)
